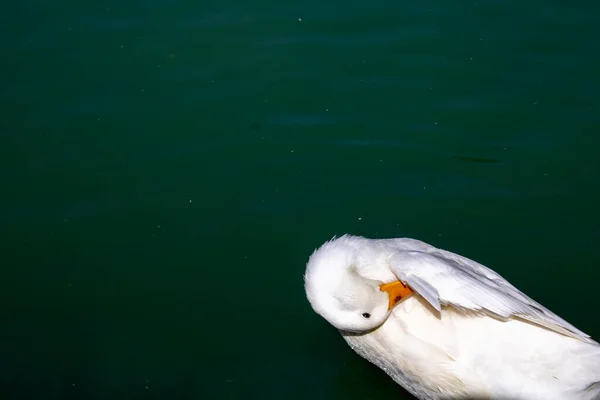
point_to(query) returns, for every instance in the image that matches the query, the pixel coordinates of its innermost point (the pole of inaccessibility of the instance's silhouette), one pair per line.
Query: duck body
(465, 332)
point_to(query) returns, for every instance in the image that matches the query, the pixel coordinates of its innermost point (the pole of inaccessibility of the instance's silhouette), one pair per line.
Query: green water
(166, 169)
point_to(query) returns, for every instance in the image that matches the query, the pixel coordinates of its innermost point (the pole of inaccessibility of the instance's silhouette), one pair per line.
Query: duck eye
(366, 315)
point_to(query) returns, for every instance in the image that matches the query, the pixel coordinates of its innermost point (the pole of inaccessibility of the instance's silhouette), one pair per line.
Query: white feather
(466, 284)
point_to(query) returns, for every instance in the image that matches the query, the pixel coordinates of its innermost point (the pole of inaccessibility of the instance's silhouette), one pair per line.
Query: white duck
(444, 326)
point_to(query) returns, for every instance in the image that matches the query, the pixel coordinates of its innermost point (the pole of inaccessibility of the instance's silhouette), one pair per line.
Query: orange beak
(396, 291)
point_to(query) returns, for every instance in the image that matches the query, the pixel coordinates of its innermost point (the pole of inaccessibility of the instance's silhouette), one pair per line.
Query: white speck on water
(300, 19)
(360, 218)
(424, 187)
(190, 201)
(327, 109)
(291, 151)
(121, 46)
